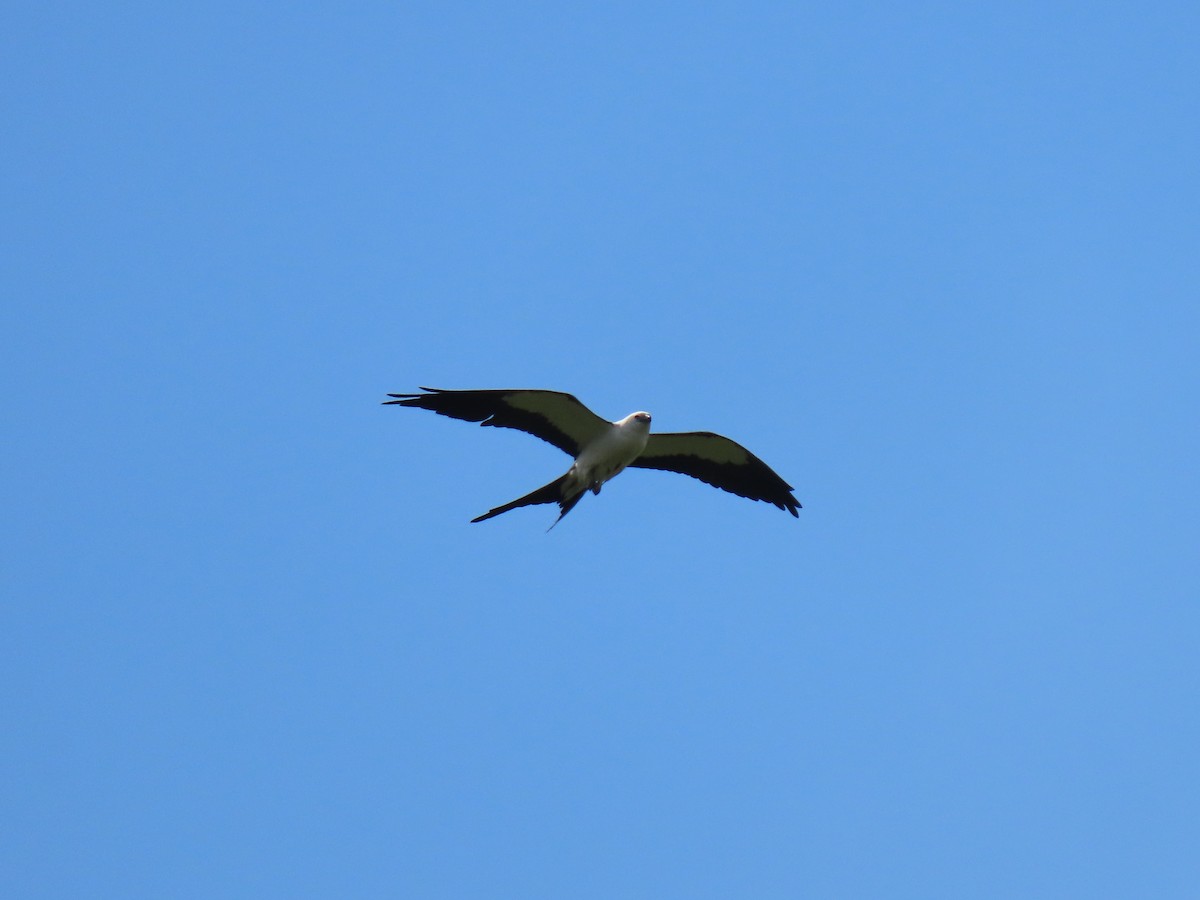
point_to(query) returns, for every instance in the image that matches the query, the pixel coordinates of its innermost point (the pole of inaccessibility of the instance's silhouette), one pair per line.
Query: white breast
(606, 456)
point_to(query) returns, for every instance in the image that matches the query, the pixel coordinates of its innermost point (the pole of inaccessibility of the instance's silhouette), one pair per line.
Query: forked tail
(549, 493)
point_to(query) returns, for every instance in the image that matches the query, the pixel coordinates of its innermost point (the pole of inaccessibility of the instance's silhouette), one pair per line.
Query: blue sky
(936, 263)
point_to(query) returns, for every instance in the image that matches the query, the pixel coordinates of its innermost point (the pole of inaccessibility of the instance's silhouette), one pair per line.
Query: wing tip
(790, 504)
(414, 399)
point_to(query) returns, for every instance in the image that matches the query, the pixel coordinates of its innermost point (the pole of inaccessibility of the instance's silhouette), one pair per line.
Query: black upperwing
(553, 416)
(718, 461)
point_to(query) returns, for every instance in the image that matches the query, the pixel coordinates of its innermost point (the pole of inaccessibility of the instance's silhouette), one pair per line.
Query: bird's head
(639, 419)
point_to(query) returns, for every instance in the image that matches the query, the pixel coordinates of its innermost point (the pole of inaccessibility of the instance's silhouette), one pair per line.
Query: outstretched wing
(720, 462)
(552, 416)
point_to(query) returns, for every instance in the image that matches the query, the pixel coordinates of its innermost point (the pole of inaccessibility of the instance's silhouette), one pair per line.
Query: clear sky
(937, 263)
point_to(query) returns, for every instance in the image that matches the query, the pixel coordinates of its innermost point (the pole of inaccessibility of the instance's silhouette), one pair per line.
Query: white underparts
(608, 455)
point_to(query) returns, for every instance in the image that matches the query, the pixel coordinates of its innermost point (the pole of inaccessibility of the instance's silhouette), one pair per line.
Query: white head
(638, 420)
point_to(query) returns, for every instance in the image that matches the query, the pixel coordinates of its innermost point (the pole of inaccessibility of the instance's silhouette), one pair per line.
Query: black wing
(720, 462)
(552, 416)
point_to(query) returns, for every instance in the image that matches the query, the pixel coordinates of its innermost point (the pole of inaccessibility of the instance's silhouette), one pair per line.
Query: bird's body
(602, 450)
(608, 455)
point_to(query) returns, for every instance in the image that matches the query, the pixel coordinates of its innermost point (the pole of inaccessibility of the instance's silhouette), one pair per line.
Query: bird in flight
(602, 449)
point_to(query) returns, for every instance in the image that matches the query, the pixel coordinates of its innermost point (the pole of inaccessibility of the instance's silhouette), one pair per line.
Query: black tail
(549, 493)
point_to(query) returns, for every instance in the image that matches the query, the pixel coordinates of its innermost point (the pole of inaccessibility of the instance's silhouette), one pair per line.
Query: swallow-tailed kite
(603, 449)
